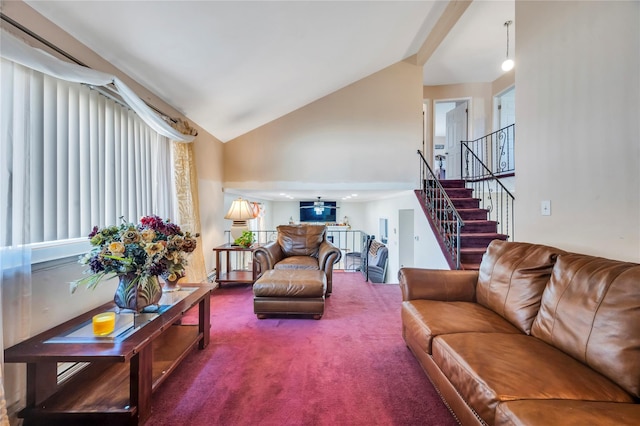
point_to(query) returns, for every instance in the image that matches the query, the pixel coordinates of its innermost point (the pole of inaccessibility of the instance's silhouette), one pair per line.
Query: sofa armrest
(376, 273)
(433, 284)
(328, 254)
(268, 255)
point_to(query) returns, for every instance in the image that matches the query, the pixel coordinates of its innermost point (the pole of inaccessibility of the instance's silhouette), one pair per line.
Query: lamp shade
(239, 212)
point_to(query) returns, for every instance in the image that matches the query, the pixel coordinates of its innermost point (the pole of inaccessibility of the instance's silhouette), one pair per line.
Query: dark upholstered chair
(299, 247)
(377, 260)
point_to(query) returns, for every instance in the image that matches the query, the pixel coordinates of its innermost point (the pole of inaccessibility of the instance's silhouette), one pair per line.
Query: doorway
(450, 127)
(503, 145)
(405, 238)
(506, 108)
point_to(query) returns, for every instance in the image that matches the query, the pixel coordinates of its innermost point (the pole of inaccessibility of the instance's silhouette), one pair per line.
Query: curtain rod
(50, 45)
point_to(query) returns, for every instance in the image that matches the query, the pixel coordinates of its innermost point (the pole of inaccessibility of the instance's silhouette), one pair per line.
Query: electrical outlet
(545, 208)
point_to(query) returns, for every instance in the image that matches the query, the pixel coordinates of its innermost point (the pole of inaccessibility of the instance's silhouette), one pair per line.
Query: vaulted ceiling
(232, 66)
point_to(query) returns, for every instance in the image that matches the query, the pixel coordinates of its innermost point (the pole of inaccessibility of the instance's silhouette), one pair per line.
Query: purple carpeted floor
(349, 368)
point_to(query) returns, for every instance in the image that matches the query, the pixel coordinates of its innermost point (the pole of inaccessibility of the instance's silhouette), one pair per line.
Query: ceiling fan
(319, 206)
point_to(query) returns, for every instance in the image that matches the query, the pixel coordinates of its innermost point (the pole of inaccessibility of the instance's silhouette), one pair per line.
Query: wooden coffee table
(124, 369)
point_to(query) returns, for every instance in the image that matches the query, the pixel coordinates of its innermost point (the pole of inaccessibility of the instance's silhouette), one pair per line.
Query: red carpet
(349, 368)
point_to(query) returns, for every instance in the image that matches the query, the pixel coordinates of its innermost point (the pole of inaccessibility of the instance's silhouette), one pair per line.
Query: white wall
(427, 253)
(578, 143)
(365, 216)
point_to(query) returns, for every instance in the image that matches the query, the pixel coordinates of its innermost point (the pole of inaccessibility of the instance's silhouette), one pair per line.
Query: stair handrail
(487, 146)
(442, 214)
(480, 182)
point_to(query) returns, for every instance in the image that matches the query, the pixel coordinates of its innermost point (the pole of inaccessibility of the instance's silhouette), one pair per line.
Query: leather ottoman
(290, 291)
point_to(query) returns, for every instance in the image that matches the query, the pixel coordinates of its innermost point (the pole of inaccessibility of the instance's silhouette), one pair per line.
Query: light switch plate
(545, 208)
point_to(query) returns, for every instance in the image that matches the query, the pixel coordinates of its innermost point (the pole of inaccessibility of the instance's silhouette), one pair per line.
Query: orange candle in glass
(104, 323)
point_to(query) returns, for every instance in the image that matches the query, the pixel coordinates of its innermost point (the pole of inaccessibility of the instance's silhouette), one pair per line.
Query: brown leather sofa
(538, 336)
(299, 247)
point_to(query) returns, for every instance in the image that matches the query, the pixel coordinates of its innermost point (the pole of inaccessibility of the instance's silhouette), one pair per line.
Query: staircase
(477, 232)
(466, 214)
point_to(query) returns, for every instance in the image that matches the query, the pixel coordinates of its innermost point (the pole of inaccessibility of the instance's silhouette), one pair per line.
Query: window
(72, 158)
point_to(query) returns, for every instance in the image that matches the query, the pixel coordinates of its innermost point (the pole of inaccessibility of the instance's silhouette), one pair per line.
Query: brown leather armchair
(299, 247)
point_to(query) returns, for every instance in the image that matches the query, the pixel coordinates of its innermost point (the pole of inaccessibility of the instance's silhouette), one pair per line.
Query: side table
(226, 274)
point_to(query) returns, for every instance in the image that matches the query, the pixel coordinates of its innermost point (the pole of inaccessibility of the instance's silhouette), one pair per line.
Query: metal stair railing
(442, 213)
(496, 150)
(493, 195)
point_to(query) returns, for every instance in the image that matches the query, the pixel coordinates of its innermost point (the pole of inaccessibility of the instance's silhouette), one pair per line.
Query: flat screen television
(309, 214)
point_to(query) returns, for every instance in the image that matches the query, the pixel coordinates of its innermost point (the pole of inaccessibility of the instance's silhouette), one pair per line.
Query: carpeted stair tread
(472, 254)
(455, 192)
(473, 250)
(452, 183)
(470, 266)
(494, 235)
(488, 226)
(466, 203)
(473, 214)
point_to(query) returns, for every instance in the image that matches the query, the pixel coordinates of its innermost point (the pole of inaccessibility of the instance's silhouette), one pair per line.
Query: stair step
(479, 240)
(453, 192)
(473, 226)
(486, 226)
(459, 192)
(473, 214)
(472, 255)
(452, 183)
(470, 266)
(466, 203)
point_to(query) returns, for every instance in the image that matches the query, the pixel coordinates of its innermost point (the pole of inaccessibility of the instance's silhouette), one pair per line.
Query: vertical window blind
(72, 158)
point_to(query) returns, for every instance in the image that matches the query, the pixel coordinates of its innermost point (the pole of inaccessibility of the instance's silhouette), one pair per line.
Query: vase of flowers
(136, 292)
(137, 254)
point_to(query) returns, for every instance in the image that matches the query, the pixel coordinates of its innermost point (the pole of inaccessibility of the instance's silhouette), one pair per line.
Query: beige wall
(578, 143)
(481, 98)
(502, 83)
(362, 136)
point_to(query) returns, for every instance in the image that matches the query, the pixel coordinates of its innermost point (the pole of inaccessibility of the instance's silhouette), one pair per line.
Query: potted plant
(245, 240)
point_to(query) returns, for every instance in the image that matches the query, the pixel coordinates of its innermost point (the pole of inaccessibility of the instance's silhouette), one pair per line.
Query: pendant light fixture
(508, 63)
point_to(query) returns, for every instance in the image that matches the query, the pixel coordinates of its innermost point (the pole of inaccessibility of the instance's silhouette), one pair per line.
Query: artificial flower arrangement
(154, 247)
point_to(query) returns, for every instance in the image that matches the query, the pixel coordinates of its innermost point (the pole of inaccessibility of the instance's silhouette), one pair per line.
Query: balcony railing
(495, 151)
(350, 242)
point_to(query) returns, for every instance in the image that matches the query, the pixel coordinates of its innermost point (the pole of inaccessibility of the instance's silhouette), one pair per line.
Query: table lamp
(239, 212)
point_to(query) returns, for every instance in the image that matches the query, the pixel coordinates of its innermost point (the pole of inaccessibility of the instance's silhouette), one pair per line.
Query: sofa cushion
(591, 310)
(512, 277)
(425, 319)
(297, 262)
(566, 413)
(487, 369)
(300, 240)
(287, 284)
